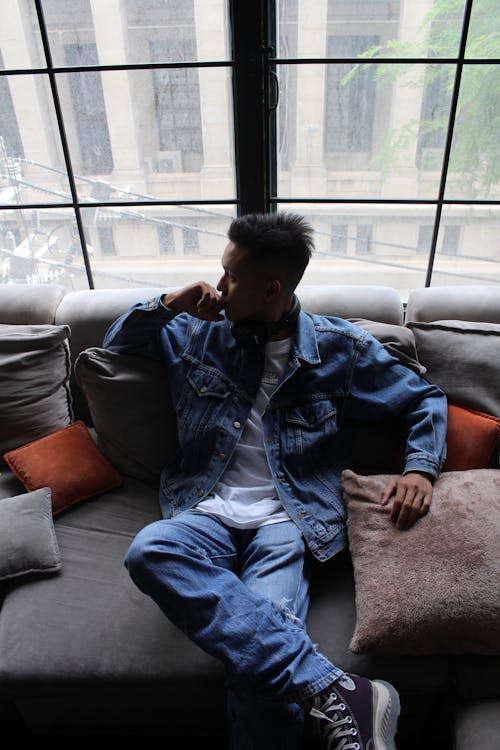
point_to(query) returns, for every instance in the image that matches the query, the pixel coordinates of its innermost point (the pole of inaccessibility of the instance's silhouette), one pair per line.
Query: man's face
(243, 286)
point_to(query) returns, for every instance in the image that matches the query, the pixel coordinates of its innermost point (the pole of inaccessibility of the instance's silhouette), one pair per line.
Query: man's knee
(139, 554)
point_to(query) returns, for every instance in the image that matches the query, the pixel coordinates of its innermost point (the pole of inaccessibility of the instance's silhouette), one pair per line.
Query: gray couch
(83, 652)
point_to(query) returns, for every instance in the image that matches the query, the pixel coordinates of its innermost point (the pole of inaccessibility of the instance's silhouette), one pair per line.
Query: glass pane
(483, 39)
(142, 134)
(163, 246)
(20, 42)
(32, 167)
(367, 131)
(427, 28)
(362, 245)
(122, 32)
(474, 170)
(468, 249)
(41, 246)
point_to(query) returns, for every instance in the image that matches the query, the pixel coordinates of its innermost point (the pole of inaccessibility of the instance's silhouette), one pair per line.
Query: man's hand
(200, 299)
(412, 498)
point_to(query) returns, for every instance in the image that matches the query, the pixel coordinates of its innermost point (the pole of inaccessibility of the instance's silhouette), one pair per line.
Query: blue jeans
(242, 596)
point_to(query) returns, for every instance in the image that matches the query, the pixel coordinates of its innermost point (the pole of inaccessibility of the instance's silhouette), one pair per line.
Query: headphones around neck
(253, 333)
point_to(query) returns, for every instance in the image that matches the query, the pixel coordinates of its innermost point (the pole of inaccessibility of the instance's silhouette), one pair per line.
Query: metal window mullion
(64, 141)
(449, 140)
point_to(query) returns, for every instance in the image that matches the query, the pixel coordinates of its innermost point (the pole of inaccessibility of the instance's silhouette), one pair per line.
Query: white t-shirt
(245, 497)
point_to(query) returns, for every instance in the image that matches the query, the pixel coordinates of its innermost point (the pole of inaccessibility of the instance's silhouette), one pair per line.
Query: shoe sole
(386, 709)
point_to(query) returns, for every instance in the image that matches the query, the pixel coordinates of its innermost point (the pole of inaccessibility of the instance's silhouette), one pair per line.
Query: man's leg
(272, 564)
(188, 567)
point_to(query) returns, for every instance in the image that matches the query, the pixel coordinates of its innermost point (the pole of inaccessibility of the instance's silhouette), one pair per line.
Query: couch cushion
(474, 302)
(29, 304)
(69, 462)
(34, 382)
(92, 636)
(463, 358)
(28, 543)
(378, 303)
(89, 313)
(131, 410)
(477, 725)
(433, 588)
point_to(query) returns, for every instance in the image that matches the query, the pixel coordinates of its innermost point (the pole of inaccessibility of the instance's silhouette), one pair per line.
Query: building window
(177, 102)
(190, 241)
(338, 239)
(166, 239)
(350, 106)
(89, 111)
(424, 238)
(106, 240)
(10, 138)
(364, 239)
(451, 239)
(433, 119)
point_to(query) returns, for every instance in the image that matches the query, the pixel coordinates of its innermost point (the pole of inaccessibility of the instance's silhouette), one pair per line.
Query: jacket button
(222, 456)
(200, 493)
(203, 389)
(237, 425)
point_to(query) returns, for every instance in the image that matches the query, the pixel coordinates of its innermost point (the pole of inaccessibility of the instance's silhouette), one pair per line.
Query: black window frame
(255, 96)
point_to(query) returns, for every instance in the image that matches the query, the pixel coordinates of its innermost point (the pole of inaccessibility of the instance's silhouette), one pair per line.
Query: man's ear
(273, 290)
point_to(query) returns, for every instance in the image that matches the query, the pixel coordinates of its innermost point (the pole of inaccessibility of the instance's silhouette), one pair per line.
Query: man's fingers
(411, 502)
(389, 491)
(208, 307)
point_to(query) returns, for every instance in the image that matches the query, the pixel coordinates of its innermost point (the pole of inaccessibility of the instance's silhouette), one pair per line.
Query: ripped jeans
(242, 596)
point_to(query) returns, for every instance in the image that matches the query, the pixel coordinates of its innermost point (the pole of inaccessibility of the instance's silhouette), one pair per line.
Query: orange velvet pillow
(471, 439)
(68, 461)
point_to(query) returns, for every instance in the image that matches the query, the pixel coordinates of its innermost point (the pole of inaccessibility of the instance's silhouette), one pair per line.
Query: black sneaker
(356, 714)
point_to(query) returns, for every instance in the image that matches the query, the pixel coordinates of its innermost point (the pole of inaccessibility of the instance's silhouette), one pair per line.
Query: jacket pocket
(310, 424)
(203, 397)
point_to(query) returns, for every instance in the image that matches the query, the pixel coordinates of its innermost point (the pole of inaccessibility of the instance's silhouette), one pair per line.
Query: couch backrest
(480, 304)
(89, 313)
(26, 304)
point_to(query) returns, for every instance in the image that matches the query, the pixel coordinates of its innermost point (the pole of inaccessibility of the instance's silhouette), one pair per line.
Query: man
(261, 394)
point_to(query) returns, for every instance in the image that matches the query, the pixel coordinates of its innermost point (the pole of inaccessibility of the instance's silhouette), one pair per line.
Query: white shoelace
(337, 728)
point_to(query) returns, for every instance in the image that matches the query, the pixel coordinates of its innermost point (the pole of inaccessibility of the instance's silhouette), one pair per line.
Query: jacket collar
(305, 345)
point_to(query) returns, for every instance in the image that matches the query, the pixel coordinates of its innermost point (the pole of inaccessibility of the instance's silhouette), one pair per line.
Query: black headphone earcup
(250, 334)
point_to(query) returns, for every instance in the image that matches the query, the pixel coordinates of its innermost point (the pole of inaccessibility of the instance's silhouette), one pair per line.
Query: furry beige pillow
(434, 588)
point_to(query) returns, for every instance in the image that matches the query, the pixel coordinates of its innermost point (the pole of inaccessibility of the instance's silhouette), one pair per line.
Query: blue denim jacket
(335, 370)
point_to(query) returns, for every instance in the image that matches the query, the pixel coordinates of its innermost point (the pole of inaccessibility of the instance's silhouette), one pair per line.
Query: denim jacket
(335, 370)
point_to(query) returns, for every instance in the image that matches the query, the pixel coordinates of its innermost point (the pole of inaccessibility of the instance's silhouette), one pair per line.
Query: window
(364, 239)
(89, 111)
(350, 105)
(106, 240)
(339, 239)
(177, 101)
(126, 151)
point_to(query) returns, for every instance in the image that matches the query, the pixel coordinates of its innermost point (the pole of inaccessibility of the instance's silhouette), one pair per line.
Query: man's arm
(383, 387)
(138, 330)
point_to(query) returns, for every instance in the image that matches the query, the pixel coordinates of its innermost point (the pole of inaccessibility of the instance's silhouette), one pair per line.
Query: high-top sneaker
(354, 713)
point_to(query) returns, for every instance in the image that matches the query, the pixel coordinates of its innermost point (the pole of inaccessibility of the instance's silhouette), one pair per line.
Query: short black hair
(279, 239)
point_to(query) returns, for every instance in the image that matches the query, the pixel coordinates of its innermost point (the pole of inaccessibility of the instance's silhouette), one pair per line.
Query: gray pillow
(130, 406)
(28, 543)
(434, 588)
(463, 358)
(35, 398)
(398, 340)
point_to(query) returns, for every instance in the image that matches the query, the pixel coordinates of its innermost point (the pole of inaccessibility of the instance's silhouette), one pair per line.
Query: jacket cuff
(422, 462)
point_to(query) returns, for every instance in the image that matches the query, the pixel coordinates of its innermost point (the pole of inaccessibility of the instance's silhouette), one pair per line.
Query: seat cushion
(90, 646)
(477, 725)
